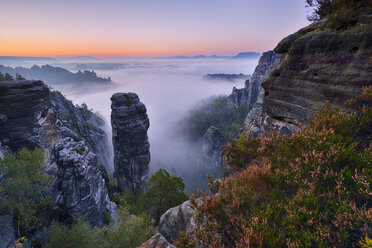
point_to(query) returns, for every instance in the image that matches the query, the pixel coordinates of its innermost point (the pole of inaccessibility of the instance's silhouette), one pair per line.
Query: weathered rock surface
(157, 241)
(21, 104)
(83, 122)
(70, 135)
(211, 144)
(252, 88)
(7, 237)
(176, 220)
(255, 121)
(131, 146)
(319, 65)
(80, 186)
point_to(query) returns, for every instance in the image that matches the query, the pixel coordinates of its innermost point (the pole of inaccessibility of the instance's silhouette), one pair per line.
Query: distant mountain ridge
(241, 55)
(55, 75)
(247, 55)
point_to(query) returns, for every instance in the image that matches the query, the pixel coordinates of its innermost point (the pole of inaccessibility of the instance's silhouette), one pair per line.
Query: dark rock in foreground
(80, 186)
(73, 140)
(131, 146)
(21, 105)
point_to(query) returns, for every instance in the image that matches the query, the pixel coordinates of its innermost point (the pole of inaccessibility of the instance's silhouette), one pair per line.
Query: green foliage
(81, 235)
(339, 13)
(165, 191)
(133, 201)
(312, 189)
(214, 112)
(24, 186)
(130, 231)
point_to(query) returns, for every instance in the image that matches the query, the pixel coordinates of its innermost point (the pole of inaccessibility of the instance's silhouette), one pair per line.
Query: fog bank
(168, 88)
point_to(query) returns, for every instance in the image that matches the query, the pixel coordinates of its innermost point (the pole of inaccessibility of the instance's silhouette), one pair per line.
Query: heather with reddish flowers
(312, 189)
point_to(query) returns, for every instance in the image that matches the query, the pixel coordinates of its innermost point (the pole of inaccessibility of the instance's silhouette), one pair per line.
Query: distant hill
(226, 77)
(247, 55)
(54, 75)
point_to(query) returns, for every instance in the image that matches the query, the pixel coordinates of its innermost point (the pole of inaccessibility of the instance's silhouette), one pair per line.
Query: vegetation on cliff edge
(312, 189)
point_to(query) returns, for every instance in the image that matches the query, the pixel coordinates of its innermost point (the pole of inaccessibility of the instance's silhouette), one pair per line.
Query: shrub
(25, 186)
(312, 189)
(165, 191)
(81, 234)
(129, 231)
(340, 13)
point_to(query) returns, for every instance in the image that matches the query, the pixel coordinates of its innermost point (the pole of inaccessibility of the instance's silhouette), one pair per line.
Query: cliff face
(131, 146)
(319, 65)
(83, 122)
(252, 91)
(211, 144)
(21, 104)
(36, 117)
(80, 187)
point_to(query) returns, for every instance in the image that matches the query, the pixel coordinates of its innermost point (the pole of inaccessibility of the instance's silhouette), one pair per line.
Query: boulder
(176, 220)
(157, 241)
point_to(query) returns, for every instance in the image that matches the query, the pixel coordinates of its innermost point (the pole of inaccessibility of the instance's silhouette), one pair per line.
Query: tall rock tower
(130, 123)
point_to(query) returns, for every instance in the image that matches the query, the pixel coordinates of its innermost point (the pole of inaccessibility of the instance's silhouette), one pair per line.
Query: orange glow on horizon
(33, 47)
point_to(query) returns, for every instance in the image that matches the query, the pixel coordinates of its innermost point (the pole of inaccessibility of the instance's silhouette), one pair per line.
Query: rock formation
(211, 144)
(252, 95)
(70, 135)
(21, 104)
(131, 146)
(319, 65)
(157, 241)
(80, 187)
(252, 88)
(176, 220)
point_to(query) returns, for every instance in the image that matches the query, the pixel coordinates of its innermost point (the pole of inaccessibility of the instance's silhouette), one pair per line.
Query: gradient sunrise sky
(106, 28)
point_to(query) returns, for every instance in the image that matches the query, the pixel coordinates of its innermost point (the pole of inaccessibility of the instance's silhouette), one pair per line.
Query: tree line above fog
(54, 75)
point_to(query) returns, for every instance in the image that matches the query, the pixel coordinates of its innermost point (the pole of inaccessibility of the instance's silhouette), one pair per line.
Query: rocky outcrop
(82, 122)
(252, 90)
(21, 105)
(73, 140)
(176, 220)
(319, 65)
(80, 187)
(131, 146)
(212, 141)
(252, 95)
(157, 241)
(7, 237)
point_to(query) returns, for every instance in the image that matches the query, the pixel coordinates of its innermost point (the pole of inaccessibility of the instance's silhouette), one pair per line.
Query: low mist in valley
(169, 88)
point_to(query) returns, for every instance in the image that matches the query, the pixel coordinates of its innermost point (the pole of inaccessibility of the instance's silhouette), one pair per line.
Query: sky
(145, 28)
